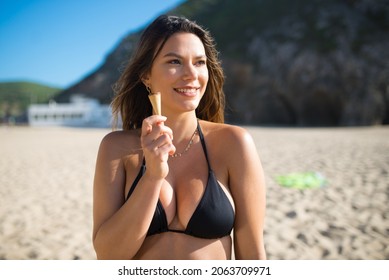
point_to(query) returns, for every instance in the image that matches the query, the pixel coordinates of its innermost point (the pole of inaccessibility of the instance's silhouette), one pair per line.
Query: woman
(174, 186)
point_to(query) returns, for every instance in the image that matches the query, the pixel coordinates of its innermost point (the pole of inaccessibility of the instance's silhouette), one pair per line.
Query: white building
(80, 112)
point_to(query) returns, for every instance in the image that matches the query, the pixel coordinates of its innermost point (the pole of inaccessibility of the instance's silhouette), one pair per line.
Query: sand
(46, 177)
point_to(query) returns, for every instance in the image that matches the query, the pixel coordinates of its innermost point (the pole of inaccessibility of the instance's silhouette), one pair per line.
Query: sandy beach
(46, 177)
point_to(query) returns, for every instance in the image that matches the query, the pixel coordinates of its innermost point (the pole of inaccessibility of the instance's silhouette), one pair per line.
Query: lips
(190, 92)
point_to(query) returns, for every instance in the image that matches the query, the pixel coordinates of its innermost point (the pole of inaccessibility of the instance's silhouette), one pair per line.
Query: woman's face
(180, 73)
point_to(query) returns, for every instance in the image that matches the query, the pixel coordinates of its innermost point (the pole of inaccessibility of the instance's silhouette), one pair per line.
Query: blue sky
(58, 42)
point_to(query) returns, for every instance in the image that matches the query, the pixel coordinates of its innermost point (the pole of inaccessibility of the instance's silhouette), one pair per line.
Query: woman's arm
(247, 185)
(120, 227)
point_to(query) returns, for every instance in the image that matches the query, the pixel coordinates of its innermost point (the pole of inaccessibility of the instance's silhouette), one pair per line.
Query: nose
(190, 72)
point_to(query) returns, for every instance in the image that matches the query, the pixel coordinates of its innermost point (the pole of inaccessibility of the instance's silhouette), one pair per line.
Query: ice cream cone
(155, 100)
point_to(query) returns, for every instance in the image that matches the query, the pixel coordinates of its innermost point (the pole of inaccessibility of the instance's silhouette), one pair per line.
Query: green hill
(16, 96)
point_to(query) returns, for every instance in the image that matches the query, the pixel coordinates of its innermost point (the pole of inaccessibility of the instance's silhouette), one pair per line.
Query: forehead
(183, 43)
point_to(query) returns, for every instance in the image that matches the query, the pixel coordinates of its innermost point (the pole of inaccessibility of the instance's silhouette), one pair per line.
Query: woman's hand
(157, 145)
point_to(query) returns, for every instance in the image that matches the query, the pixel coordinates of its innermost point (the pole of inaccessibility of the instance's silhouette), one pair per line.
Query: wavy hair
(131, 101)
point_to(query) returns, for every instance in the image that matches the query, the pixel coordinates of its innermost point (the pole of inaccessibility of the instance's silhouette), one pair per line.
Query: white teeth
(186, 90)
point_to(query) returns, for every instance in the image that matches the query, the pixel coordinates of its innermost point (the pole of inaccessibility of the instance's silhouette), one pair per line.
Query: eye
(174, 61)
(201, 62)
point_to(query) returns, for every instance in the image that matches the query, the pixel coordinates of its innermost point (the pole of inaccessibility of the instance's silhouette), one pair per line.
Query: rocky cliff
(301, 62)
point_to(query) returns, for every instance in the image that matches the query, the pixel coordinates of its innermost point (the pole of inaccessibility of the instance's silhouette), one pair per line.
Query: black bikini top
(213, 217)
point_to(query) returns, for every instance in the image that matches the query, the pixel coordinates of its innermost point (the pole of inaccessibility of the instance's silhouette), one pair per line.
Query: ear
(146, 80)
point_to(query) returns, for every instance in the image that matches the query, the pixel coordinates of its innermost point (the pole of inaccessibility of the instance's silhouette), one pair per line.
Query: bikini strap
(203, 143)
(140, 174)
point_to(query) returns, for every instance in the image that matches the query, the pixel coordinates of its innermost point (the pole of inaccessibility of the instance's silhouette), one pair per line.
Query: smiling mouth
(187, 91)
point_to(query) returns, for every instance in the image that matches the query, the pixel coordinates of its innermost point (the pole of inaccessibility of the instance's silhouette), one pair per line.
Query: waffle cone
(155, 100)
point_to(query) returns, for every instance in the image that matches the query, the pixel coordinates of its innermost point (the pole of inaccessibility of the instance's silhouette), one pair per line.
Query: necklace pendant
(187, 147)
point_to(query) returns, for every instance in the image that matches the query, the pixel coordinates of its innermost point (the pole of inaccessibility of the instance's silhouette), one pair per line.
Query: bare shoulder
(226, 134)
(231, 147)
(121, 143)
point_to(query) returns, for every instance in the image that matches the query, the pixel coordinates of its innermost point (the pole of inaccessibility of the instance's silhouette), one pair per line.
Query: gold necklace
(187, 146)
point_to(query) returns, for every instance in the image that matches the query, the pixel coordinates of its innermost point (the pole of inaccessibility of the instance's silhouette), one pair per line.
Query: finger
(147, 124)
(167, 149)
(161, 141)
(156, 131)
(167, 130)
(156, 136)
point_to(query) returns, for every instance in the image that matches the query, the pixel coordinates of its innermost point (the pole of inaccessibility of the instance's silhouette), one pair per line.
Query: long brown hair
(131, 101)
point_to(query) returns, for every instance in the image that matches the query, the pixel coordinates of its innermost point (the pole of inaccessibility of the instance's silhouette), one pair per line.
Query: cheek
(172, 72)
(169, 75)
(203, 76)
(161, 79)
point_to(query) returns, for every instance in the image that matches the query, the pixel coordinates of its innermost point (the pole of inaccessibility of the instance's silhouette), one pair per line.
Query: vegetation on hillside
(16, 96)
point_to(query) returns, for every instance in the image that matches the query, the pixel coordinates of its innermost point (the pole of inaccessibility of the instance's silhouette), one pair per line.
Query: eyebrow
(181, 57)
